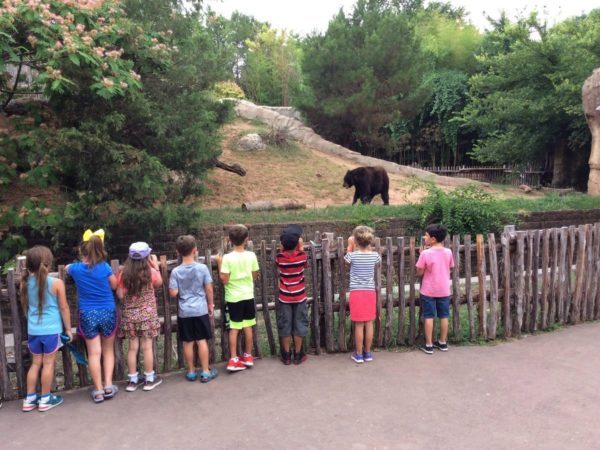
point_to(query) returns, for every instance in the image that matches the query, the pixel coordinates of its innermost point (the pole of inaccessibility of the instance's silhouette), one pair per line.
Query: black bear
(368, 182)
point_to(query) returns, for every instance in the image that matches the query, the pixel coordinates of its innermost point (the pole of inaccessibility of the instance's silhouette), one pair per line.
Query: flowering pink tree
(46, 44)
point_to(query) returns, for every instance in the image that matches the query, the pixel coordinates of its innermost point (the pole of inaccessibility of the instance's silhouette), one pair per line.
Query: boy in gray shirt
(192, 283)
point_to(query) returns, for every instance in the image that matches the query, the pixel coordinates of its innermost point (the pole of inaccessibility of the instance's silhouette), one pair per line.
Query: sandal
(112, 391)
(98, 396)
(205, 377)
(191, 376)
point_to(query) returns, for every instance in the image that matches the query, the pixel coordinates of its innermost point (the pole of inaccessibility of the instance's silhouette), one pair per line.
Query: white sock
(442, 342)
(31, 397)
(149, 376)
(133, 377)
(247, 354)
(45, 398)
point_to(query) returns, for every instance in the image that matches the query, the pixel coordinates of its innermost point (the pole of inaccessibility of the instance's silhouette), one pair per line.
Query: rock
(251, 142)
(525, 188)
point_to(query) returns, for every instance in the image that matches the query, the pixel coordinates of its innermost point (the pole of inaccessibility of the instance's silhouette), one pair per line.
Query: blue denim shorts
(435, 305)
(97, 321)
(44, 344)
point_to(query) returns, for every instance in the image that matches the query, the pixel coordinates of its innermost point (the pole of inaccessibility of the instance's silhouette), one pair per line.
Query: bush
(465, 210)
(228, 89)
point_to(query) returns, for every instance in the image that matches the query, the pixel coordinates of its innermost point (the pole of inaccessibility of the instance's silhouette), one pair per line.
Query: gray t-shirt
(189, 280)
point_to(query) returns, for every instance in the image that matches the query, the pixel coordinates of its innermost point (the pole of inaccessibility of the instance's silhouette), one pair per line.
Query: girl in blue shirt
(95, 283)
(43, 298)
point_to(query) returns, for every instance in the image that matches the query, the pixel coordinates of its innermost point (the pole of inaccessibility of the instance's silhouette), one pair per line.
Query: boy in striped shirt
(292, 312)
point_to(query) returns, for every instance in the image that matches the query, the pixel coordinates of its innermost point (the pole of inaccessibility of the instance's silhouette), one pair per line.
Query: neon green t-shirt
(239, 266)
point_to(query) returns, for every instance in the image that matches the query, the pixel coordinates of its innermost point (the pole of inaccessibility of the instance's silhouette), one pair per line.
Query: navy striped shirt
(362, 269)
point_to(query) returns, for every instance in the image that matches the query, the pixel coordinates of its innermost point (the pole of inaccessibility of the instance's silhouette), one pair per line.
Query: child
(238, 270)
(292, 312)
(192, 282)
(363, 299)
(434, 266)
(97, 311)
(44, 299)
(135, 286)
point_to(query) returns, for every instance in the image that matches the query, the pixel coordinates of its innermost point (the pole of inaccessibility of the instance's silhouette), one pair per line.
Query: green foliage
(228, 89)
(467, 209)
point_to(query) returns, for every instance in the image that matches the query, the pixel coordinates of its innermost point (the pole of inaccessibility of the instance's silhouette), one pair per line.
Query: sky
(304, 16)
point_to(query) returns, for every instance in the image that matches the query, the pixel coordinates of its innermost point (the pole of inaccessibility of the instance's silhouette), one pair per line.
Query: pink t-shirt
(436, 263)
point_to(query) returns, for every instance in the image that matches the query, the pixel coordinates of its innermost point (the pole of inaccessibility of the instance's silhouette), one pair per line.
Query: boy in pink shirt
(434, 266)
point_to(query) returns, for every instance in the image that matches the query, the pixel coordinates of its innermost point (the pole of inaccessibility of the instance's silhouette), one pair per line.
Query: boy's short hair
(363, 235)
(238, 234)
(437, 231)
(290, 236)
(185, 245)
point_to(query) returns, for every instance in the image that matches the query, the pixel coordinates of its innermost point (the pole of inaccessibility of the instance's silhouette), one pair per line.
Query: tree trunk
(591, 108)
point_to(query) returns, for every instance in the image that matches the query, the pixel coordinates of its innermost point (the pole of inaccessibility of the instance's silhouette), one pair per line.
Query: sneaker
(441, 347)
(30, 406)
(427, 349)
(368, 356)
(357, 358)
(149, 385)
(235, 366)
(132, 385)
(300, 357)
(205, 377)
(247, 360)
(54, 401)
(286, 358)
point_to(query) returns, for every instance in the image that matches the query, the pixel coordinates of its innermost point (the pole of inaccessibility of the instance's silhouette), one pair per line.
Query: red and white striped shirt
(291, 265)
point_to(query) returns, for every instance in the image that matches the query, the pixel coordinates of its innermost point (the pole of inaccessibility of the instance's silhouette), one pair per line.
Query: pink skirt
(362, 305)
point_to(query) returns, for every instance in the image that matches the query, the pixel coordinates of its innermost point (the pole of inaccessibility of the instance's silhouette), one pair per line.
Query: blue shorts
(44, 345)
(435, 305)
(97, 321)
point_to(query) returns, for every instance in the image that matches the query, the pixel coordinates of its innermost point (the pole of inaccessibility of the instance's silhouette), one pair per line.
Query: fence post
(343, 307)
(481, 274)
(378, 313)
(562, 275)
(17, 330)
(468, 293)
(66, 354)
(589, 303)
(520, 282)
(456, 288)
(327, 295)
(401, 337)
(553, 287)
(581, 274)
(506, 312)
(545, 279)
(119, 372)
(316, 291)
(264, 298)
(493, 286)
(167, 326)
(4, 380)
(389, 290)
(411, 297)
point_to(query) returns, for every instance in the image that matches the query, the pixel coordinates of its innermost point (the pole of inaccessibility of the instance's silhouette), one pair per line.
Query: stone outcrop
(296, 130)
(251, 142)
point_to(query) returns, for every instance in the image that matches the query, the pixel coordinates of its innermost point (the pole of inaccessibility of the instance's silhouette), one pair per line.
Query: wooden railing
(492, 174)
(523, 282)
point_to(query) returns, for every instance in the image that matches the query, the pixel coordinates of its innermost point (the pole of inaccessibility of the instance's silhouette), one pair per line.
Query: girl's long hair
(93, 250)
(37, 262)
(136, 275)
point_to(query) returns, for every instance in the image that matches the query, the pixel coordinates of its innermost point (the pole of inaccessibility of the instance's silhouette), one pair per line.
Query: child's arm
(173, 292)
(210, 298)
(113, 281)
(255, 275)
(173, 286)
(157, 280)
(58, 288)
(420, 272)
(224, 277)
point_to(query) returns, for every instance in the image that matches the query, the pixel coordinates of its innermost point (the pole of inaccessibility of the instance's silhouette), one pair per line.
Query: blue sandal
(191, 376)
(98, 396)
(112, 391)
(205, 377)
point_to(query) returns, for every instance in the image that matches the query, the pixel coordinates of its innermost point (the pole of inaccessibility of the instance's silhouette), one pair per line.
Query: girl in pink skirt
(362, 262)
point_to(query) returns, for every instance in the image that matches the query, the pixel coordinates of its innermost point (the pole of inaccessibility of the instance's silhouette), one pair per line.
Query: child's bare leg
(429, 332)
(94, 349)
(368, 335)
(248, 344)
(134, 346)
(443, 330)
(48, 372)
(233, 335)
(203, 354)
(359, 336)
(285, 343)
(33, 373)
(108, 358)
(188, 354)
(298, 340)
(148, 352)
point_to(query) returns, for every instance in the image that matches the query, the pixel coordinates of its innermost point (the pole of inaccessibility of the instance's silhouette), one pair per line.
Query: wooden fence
(493, 174)
(522, 282)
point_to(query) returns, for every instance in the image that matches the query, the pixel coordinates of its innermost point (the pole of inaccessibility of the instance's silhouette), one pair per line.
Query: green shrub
(228, 89)
(465, 210)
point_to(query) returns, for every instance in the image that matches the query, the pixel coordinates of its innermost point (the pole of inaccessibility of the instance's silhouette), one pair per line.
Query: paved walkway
(537, 392)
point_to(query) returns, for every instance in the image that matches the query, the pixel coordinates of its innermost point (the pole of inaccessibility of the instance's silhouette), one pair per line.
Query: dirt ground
(301, 173)
(536, 392)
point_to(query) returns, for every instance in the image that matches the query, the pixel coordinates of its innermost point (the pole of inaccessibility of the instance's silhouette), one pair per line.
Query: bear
(368, 182)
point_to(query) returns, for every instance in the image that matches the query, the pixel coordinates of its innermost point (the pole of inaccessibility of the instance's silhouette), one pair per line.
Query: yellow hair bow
(89, 233)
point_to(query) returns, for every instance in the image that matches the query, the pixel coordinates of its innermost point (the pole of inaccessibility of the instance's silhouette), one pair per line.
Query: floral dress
(139, 316)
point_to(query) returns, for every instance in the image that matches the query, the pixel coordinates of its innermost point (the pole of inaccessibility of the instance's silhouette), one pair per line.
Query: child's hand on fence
(351, 244)
(70, 334)
(153, 261)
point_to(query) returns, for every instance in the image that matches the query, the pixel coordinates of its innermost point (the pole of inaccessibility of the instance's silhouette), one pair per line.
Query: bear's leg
(385, 197)
(355, 199)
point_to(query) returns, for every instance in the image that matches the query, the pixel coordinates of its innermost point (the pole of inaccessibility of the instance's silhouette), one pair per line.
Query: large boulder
(251, 142)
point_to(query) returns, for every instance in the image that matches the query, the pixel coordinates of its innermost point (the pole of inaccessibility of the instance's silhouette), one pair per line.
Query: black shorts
(242, 314)
(194, 328)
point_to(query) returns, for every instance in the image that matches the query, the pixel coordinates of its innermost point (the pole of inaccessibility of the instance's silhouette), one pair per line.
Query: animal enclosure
(502, 286)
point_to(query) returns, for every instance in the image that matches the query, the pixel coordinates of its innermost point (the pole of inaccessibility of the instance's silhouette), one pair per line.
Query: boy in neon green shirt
(237, 271)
